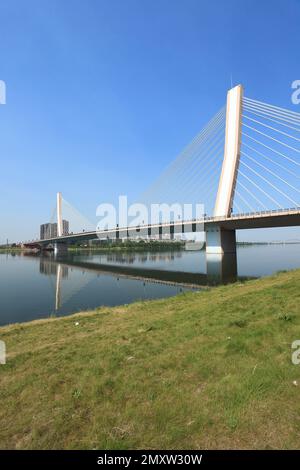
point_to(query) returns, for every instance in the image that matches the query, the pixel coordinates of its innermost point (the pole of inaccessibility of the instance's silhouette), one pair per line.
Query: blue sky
(103, 94)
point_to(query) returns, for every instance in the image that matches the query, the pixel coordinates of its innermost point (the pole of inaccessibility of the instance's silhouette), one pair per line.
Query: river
(33, 287)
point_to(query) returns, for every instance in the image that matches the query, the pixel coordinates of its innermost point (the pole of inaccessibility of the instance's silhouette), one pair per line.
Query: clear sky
(103, 94)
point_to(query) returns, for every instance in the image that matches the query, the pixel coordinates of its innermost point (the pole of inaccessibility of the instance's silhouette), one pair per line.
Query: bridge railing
(178, 222)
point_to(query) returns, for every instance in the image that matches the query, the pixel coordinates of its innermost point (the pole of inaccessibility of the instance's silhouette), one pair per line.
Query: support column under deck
(60, 249)
(220, 241)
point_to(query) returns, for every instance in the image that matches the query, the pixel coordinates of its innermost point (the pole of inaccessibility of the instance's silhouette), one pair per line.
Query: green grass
(208, 369)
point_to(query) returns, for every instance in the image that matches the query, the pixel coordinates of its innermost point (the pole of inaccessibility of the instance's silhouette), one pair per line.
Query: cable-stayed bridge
(244, 167)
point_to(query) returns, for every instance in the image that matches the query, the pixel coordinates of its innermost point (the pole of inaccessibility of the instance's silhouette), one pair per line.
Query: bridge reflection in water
(221, 269)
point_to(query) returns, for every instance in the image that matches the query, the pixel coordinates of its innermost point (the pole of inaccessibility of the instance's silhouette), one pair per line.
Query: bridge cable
(206, 153)
(271, 184)
(272, 108)
(272, 138)
(188, 151)
(273, 128)
(271, 160)
(270, 148)
(260, 189)
(252, 195)
(277, 121)
(245, 202)
(271, 172)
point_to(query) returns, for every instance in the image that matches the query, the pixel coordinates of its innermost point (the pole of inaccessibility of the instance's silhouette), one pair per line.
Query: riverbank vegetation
(10, 249)
(130, 245)
(209, 369)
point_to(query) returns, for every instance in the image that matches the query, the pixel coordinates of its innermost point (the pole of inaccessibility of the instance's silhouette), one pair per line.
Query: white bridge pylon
(227, 183)
(59, 214)
(218, 240)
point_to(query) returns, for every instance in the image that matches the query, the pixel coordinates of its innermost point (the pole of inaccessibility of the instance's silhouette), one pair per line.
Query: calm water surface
(36, 287)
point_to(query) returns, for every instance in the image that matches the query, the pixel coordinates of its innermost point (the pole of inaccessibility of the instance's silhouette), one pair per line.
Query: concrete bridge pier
(60, 249)
(220, 241)
(221, 259)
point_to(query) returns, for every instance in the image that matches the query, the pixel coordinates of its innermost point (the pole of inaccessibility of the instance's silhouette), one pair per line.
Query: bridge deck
(267, 219)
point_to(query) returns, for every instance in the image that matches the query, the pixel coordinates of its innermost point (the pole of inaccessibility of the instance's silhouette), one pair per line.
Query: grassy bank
(202, 370)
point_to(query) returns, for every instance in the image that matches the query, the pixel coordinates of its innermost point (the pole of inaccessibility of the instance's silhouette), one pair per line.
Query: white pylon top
(59, 214)
(228, 176)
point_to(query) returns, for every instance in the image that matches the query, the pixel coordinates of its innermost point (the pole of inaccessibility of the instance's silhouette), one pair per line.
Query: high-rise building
(50, 230)
(65, 224)
(45, 231)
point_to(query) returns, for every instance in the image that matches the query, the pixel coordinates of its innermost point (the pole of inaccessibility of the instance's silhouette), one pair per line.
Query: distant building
(65, 224)
(45, 231)
(50, 230)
